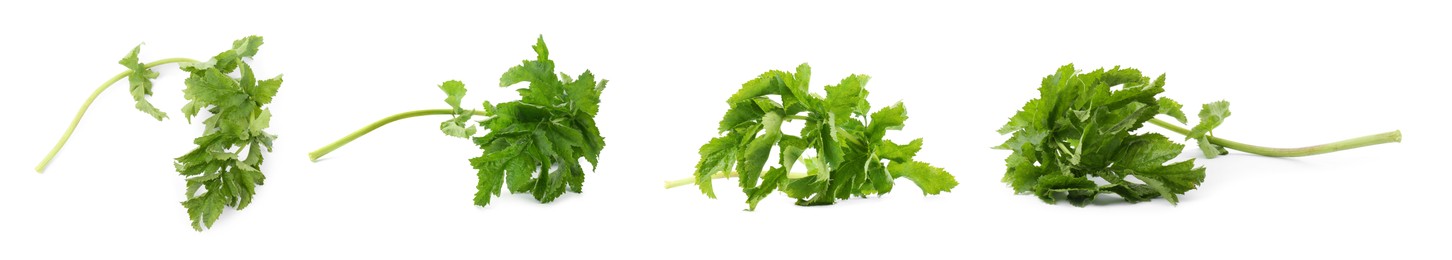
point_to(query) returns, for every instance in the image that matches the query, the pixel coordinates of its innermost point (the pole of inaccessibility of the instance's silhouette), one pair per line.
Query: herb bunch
(1078, 139)
(532, 145)
(225, 168)
(852, 156)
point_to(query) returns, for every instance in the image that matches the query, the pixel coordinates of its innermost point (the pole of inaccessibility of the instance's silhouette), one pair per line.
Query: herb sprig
(852, 156)
(533, 145)
(225, 168)
(1080, 132)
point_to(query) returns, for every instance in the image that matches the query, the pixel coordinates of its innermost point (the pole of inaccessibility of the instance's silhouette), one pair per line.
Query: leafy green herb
(533, 145)
(1077, 139)
(852, 156)
(225, 168)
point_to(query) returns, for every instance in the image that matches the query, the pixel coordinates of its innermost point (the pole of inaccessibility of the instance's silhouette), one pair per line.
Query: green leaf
(755, 154)
(1145, 151)
(767, 83)
(770, 180)
(261, 122)
(247, 47)
(821, 132)
(515, 75)
(210, 88)
(539, 70)
(1211, 115)
(792, 148)
(459, 125)
(932, 180)
(582, 94)
(717, 156)
(456, 129)
(741, 114)
(248, 81)
(849, 97)
(265, 90)
(521, 174)
(540, 49)
(1173, 109)
(1076, 187)
(801, 81)
(204, 210)
(1210, 150)
(1172, 180)
(899, 153)
(455, 91)
(140, 78)
(880, 180)
(490, 181)
(888, 118)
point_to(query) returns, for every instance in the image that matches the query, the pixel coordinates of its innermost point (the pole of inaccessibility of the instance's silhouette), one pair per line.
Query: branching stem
(375, 125)
(84, 106)
(1369, 140)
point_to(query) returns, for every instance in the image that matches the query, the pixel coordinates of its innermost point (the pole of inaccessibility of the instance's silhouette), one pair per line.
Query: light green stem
(1369, 140)
(375, 125)
(722, 175)
(84, 106)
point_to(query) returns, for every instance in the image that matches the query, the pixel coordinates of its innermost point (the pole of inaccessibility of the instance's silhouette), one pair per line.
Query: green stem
(1369, 140)
(722, 175)
(375, 125)
(84, 106)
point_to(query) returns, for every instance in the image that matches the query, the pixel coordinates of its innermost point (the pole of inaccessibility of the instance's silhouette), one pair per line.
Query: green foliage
(1211, 115)
(849, 143)
(459, 126)
(533, 145)
(225, 168)
(1080, 129)
(140, 78)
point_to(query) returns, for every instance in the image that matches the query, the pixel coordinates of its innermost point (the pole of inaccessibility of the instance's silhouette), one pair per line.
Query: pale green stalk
(84, 106)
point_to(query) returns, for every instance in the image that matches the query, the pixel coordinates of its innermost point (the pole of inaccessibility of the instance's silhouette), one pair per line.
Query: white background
(1295, 73)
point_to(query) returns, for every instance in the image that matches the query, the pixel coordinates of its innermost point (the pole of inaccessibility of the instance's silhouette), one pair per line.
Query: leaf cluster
(533, 145)
(225, 168)
(1076, 140)
(852, 156)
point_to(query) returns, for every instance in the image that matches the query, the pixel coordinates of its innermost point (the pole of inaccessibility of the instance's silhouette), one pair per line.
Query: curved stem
(1369, 140)
(722, 175)
(84, 106)
(375, 125)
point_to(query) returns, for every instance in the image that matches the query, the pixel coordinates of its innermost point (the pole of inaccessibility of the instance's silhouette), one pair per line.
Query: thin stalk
(84, 106)
(375, 125)
(1369, 140)
(722, 175)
